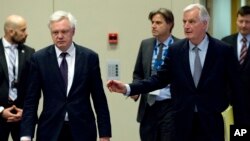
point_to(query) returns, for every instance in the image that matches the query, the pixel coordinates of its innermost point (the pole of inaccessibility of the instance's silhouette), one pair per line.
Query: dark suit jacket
(244, 73)
(210, 97)
(142, 69)
(24, 54)
(45, 75)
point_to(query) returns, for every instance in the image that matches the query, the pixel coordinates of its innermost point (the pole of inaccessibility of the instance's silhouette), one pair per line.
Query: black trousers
(7, 129)
(65, 134)
(157, 123)
(201, 131)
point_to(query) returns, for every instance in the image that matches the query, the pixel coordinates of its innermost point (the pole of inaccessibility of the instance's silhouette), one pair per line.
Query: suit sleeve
(236, 91)
(138, 73)
(157, 81)
(99, 99)
(31, 102)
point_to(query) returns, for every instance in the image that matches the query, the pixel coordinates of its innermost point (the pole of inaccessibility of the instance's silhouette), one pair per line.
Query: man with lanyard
(155, 110)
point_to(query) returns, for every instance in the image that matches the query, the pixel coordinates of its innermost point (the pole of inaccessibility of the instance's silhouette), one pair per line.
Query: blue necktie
(64, 68)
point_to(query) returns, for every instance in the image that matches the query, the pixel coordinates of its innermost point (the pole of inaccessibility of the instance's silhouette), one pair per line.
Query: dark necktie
(159, 55)
(151, 97)
(64, 68)
(197, 66)
(243, 52)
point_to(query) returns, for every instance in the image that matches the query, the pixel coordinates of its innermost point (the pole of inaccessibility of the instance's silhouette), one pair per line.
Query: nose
(244, 24)
(153, 25)
(59, 35)
(186, 25)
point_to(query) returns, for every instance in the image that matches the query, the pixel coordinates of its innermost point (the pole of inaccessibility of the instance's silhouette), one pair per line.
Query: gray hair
(59, 15)
(203, 14)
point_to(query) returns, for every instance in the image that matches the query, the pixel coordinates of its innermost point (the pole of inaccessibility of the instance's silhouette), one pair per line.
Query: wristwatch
(1, 110)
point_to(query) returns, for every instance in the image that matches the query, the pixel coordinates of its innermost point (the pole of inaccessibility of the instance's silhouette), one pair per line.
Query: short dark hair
(166, 13)
(244, 10)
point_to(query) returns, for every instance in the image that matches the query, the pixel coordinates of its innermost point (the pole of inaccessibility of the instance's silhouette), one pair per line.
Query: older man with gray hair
(69, 76)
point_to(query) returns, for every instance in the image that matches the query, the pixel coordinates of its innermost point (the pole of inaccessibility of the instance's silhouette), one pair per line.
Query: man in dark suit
(13, 74)
(237, 41)
(68, 75)
(156, 119)
(200, 69)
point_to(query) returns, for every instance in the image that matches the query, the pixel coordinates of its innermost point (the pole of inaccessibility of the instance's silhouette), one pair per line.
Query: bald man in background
(14, 57)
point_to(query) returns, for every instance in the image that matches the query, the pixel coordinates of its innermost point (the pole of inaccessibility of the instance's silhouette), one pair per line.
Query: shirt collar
(241, 36)
(69, 51)
(166, 42)
(203, 45)
(7, 44)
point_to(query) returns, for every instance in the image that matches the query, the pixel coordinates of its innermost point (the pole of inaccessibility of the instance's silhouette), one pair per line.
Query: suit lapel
(149, 53)
(78, 67)
(235, 44)
(247, 58)
(209, 60)
(233, 41)
(21, 59)
(186, 63)
(54, 67)
(3, 61)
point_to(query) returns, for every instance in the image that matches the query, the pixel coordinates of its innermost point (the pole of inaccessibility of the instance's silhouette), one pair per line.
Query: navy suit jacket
(142, 69)
(24, 54)
(220, 72)
(45, 75)
(244, 73)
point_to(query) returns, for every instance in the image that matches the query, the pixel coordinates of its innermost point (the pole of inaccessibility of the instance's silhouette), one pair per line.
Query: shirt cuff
(128, 90)
(25, 138)
(1, 109)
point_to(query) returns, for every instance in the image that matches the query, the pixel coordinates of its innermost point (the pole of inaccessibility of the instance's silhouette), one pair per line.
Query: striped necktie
(243, 52)
(12, 73)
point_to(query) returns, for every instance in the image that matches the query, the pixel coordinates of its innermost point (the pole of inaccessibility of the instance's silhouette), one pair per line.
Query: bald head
(13, 22)
(15, 29)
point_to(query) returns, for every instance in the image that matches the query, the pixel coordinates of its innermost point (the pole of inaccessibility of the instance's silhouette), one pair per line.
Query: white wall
(95, 20)
(221, 17)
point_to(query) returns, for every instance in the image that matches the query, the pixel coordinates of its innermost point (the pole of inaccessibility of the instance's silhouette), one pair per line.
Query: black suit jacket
(24, 54)
(45, 75)
(244, 73)
(211, 95)
(142, 69)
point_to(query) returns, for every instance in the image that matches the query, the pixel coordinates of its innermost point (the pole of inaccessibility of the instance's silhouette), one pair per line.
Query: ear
(11, 31)
(205, 23)
(73, 30)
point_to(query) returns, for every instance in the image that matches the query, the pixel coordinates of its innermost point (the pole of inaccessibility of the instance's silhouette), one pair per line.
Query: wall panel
(95, 20)
(36, 14)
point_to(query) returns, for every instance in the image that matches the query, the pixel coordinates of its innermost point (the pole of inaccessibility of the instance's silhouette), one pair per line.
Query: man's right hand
(116, 86)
